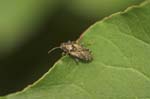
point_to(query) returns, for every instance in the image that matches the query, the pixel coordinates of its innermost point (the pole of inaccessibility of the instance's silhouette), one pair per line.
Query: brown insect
(75, 50)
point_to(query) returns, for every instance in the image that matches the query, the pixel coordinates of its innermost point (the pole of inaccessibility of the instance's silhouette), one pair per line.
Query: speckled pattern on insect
(77, 51)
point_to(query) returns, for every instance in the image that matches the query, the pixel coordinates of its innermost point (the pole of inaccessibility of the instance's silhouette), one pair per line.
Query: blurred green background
(29, 28)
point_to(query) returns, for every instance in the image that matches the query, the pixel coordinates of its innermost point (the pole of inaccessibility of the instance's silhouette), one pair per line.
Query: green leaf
(120, 45)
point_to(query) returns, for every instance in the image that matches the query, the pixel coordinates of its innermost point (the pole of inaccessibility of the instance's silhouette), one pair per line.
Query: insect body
(75, 50)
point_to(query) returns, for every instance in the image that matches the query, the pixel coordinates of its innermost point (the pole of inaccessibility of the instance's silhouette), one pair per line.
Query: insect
(75, 50)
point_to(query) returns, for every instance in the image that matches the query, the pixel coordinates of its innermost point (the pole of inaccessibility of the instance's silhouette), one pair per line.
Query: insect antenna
(53, 49)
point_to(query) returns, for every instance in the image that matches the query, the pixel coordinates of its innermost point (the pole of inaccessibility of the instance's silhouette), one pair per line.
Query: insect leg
(63, 54)
(76, 60)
